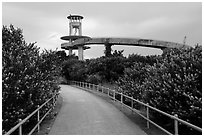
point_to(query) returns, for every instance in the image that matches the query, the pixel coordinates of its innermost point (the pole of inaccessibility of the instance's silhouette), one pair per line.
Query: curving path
(83, 113)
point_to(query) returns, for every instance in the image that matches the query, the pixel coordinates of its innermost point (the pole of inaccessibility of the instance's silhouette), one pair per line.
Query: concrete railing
(21, 122)
(112, 94)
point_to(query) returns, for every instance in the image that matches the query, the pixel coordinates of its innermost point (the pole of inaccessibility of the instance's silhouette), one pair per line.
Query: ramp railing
(39, 119)
(119, 97)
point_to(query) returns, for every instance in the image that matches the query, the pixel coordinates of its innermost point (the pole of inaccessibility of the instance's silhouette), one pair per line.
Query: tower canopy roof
(75, 16)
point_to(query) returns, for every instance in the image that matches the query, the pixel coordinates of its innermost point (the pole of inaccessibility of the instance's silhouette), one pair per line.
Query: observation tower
(75, 32)
(77, 41)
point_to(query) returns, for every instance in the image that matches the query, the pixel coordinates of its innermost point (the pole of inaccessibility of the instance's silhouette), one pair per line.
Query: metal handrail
(174, 117)
(21, 122)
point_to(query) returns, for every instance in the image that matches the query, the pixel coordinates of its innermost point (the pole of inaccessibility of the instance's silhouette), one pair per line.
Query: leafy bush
(108, 68)
(94, 78)
(74, 69)
(29, 77)
(176, 84)
(172, 84)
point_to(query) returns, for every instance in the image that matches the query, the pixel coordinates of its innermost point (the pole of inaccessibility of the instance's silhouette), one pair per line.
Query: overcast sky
(45, 23)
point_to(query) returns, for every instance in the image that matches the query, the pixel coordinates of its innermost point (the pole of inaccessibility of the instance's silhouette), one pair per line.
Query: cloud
(47, 22)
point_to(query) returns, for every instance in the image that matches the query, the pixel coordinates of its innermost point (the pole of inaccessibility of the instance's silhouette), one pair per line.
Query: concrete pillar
(80, 29)
(80, 53)
(108, 49)
(70, 52)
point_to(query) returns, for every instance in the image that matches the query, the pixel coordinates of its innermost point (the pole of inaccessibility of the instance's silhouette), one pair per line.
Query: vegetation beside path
(171, 82)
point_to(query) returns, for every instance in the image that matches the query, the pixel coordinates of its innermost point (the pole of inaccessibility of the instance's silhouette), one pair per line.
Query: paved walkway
(84, 113)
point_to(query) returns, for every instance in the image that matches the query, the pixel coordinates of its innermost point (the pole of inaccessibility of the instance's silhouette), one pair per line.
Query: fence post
(121, 99)
(38, 118)
(176, 125)
(147, 115)
(132, 104)
(114, 95)
(108, 91)
(20, 127)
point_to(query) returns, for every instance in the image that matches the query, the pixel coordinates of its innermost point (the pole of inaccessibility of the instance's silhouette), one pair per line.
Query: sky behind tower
(46, 22)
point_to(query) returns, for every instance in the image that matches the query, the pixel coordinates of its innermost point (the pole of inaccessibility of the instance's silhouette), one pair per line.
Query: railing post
(121, 99)
(114, 95)
(20, 127)
(38, 118)
(176, 125)
(147, 115)
(132, 104)
(93, 86)
(108, 91)
(97, 88)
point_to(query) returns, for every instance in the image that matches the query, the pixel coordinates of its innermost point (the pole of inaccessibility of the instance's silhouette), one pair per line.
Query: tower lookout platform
(77, 41)
(75, 32)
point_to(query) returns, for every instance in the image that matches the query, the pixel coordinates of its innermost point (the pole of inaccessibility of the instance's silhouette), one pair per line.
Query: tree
(172, 84)
(74, 69)
(28, 77)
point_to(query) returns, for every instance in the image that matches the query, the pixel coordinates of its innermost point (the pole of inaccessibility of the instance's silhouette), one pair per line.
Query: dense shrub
(74, 69)
(172, 84)
(108, 68)
(94, 78)
(131, 82)
(29, 77)
(176, 84)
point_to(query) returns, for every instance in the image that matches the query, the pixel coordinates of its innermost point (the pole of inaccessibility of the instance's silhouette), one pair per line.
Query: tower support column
(80, 53)
(70, 52)
(108, 49)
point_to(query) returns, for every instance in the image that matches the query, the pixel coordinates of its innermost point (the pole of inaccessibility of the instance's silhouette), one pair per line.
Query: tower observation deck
(77, 41)
(75, 32)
